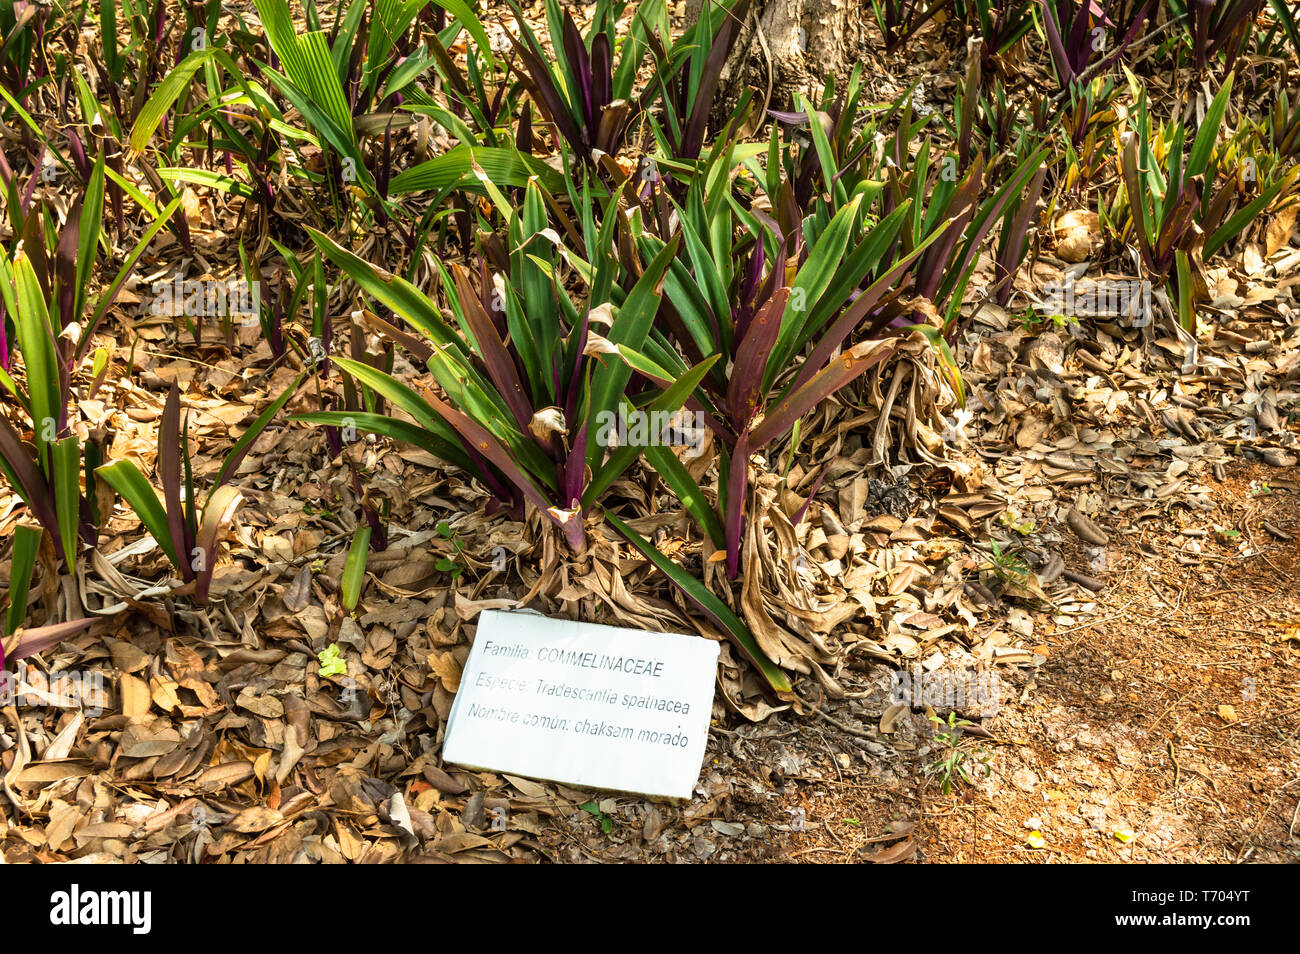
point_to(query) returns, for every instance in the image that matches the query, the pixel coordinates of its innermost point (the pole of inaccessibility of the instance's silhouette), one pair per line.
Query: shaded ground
(1170, 714)
(1163, 729)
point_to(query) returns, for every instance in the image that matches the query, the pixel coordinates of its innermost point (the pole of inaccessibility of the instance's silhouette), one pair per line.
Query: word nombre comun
(631, 665)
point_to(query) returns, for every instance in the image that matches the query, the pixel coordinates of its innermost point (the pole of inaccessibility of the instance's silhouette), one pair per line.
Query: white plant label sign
(583, 704)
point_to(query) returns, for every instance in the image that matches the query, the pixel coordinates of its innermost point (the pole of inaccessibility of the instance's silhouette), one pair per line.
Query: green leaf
(27, 541)
(439, 445)
(707, 601)
(462, 12)
(107, 297)
(240, 448)
(123, 477)
(704, 266)
(36, 341)
(1288, 19)
(1247, 214)
(816, 274)
(108, 33)
(690, 493)
(66, 467)
(395, 292)
(670, 400)
(354, 570)
(525, 451)
(341, 139)
(455, 167)
(168, 91)
(207, 178)
(1186, 306)
(856, 264)
(1209, 131)
(630, 327)
(321, 79)
(92, 213)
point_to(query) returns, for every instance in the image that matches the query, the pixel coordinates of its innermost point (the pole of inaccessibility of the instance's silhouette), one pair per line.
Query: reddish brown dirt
(1163, 728)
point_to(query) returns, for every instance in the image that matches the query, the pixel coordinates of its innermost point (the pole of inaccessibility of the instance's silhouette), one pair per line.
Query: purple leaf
(1198, 13)
(1081, 44)
(1013, 242)
(484, 443)
(39, 496)
(276, 336)
(537, 79)
(734, 518)
(65, 266)
(852, 316)
(418, 347)
(751, 360)
(790, 119)
(30, 191)
(580, 67)
(500, 366)
(79, 156)
(333, 441)
(1180, 220)
(609, 130)
(114, 160)
(169, 475)
(960, 210)
(602, 76)
(693, 140)
(799, 401)
(4, 340)
(524, 131)
(803, 511)
(33, 641)
(575, 469)
(1064, 68)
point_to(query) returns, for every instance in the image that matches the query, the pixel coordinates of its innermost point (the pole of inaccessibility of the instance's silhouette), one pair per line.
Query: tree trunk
(790, 45)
